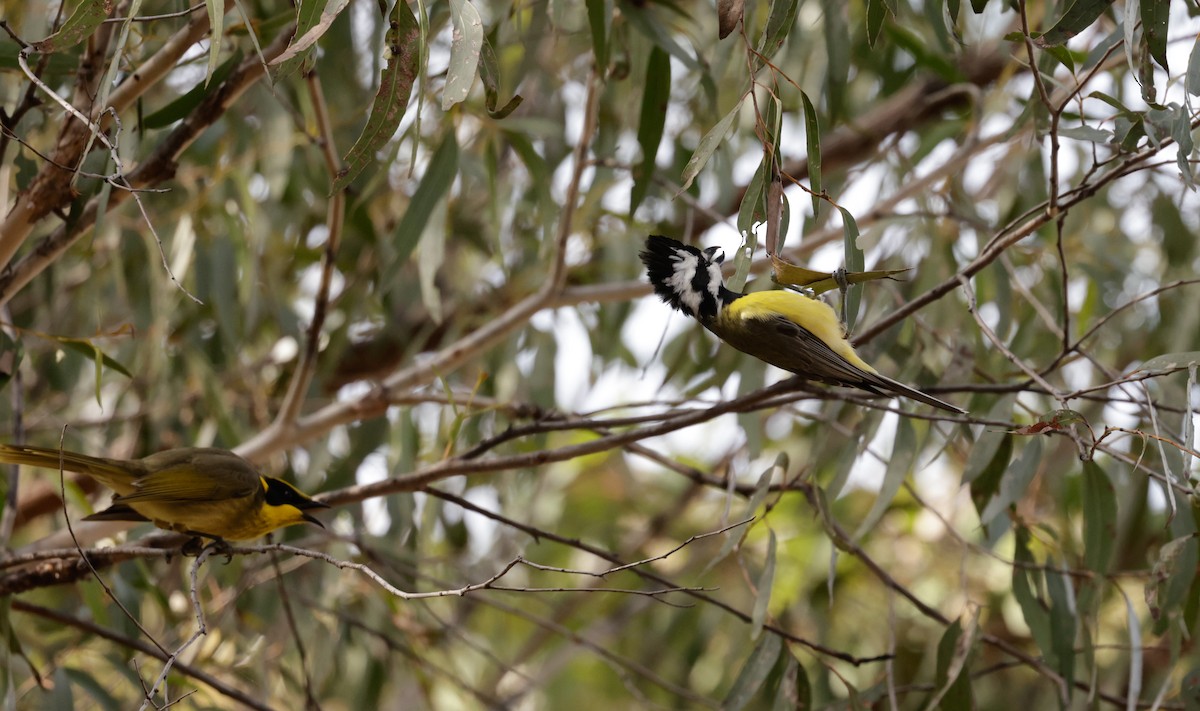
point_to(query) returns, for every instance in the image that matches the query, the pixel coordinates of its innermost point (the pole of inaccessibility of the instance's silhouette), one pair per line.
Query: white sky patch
(310, 282)
(869, 469)
(374, 468)
(1078, 374)
(481, 529)
(572, 361)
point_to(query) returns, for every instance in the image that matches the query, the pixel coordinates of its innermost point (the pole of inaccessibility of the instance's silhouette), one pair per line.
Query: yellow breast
(817, 317)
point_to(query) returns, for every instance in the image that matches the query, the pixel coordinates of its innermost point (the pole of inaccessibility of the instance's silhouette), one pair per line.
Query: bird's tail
(885, 383)
(112, 473)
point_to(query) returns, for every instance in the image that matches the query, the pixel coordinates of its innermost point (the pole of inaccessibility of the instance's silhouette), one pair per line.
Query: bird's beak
(312, 504)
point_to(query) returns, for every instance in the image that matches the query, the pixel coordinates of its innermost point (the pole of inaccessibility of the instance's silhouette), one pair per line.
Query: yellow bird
(195, 490)
(783, 328)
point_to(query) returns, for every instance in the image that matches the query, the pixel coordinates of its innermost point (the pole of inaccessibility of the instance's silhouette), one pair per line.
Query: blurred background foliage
(491, 381)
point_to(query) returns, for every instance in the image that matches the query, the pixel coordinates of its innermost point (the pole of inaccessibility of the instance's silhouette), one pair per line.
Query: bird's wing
(185, 484)
(788, 345)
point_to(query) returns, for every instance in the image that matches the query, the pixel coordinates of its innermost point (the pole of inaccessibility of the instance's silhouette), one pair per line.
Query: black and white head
(687, 278)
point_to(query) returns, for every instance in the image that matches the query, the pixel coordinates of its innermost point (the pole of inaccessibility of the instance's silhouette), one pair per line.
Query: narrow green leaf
(837, 67)
(753, 207)
(1193, 70)
(443, 167)
(812, 138)
(1111, 101)
(431, 254)
(181, 107)
(743, 260)
(78, 27)
(1063, 56)
(707, 146)
(301, 43)
(904, 451)
(847, 455)
(795, 692)
(90, 350)
(761, 488)
(1170, 363)
(216, 23)
(1171, 577)
(1099, 518)
(1130, 31)
(308, 14)
(953, 655)
(780, 20)
(648, 24)
(750, 679)
(766, 581)
(1027, 578)
(1015, 481)
(391, 101)
(465, 45)
(1087, 133)
(656, 97)
(1078, 16)
(1155, 16)
(855, 262)
(489, 73)
(876, 14)
(1181, 131)
(1063, 625)
(600, 14)
(1134, 688)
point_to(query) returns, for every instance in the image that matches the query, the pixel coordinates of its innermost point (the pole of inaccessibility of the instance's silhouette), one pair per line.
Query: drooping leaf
(1015, 481)
(780, 20)
(812, 139)
(391, 101)
(1078, 16)
(953, 672)
(301, 43)
(765, 581)
(1155, 16)
(438, 178)
(708, 144)
(899, 464)
(754, 672)
(876, 14)
(308, 14)
(489, 74)
(855, 260)
(216, 23)
(465, 46)
(78, 27)
(600, 14)
(180, 108)
(656, 97)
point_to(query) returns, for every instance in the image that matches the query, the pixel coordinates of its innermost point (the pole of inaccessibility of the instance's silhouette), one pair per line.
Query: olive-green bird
(201, 491)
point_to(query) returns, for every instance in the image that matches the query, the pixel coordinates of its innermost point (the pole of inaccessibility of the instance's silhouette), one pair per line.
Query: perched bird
(783, 328)
(199, 491)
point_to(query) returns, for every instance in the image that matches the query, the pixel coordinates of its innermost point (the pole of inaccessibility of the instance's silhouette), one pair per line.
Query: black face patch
(281, 493)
